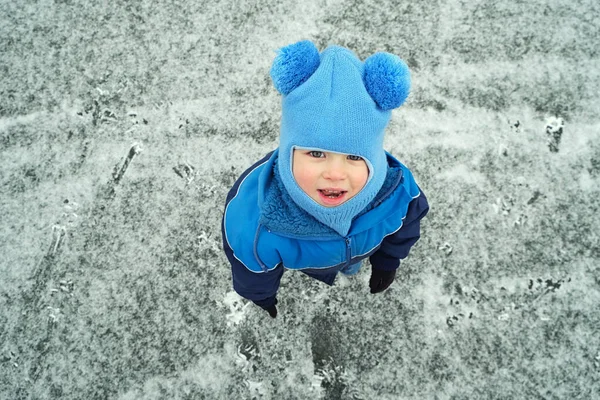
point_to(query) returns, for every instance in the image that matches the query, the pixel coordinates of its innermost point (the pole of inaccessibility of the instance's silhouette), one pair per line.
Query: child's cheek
(360, 177)
(304, 180)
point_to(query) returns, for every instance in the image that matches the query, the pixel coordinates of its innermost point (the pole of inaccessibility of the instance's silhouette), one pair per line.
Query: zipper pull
(348, 250)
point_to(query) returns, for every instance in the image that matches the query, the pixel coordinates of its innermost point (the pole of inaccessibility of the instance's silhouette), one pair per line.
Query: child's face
(330, 179)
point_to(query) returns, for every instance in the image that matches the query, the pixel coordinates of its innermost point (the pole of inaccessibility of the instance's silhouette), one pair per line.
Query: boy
(329, 195)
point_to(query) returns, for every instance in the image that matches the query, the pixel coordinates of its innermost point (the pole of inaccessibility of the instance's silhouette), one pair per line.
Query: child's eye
(354, 158)
(316, 154)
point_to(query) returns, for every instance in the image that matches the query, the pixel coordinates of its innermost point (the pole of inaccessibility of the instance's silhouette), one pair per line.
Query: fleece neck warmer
(280, 213)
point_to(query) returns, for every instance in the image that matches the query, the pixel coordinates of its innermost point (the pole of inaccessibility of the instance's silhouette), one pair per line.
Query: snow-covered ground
(123, 125)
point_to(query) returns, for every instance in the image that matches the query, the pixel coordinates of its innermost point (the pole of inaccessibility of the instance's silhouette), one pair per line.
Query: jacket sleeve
(397, 246)
(259, 287)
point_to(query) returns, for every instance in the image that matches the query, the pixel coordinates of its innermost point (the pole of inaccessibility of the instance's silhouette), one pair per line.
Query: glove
(271, 309)
(381, 280)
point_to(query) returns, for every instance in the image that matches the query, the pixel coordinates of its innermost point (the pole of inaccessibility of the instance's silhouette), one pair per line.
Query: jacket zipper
(348, 250)
(263, 267)
(347, 240)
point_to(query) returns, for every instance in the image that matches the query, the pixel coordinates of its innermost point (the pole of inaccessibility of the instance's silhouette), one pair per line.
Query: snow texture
(124, 124)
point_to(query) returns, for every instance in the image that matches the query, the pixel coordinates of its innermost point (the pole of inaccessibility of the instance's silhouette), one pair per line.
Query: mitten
(268, 305)
(381, 280)
(272, 310)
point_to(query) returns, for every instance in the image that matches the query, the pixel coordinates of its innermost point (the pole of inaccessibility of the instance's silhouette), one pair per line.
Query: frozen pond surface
(122, 127)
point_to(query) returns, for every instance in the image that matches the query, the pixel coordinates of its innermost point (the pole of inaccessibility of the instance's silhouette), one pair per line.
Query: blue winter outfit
(332, 102)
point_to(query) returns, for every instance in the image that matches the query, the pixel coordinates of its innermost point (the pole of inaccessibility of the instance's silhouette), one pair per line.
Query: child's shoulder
(250, 177)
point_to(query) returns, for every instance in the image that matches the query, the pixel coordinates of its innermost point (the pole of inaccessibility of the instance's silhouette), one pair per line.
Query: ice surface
(119, 288)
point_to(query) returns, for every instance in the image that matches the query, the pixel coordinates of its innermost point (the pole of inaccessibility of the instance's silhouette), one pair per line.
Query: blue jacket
(265, 232)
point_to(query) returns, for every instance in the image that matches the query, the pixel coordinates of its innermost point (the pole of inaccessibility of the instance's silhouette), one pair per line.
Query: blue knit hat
(334, 102)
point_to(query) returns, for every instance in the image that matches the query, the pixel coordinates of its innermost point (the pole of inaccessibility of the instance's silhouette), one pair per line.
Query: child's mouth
(332, 196)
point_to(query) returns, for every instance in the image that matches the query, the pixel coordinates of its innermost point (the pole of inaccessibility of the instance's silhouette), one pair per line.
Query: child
(329, 196)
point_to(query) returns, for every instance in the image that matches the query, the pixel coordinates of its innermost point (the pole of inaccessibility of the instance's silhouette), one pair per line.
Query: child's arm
(386, 260)
(258, 287)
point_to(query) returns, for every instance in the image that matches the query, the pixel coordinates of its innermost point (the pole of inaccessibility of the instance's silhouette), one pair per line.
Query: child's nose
(335, 170)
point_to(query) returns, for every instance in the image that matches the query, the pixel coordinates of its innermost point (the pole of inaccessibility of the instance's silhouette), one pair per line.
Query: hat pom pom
(293, 65)
(387, 80)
